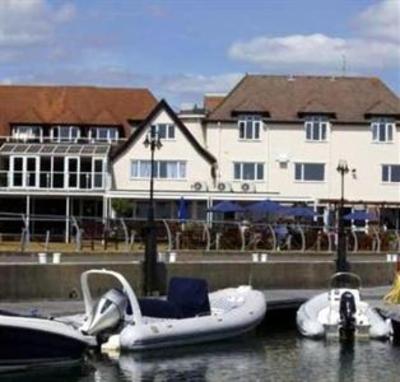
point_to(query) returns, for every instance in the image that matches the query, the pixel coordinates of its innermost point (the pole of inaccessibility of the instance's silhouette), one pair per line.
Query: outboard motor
(107, 313)
(347, 310)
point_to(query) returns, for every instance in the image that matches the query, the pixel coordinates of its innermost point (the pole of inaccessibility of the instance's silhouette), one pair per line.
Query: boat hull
(27, 342)
(214, 327)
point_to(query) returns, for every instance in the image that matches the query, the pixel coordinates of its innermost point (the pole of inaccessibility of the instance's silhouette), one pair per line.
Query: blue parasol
(360, 215)
(298, 212)
(265, 206)
(225, 207)
(182, 210)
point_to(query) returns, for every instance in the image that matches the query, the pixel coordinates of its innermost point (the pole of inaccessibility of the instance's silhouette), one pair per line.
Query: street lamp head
(153, 140)
(147, 141)
(342, 166)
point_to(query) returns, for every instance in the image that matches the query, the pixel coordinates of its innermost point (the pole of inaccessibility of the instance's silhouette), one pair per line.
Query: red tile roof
(211, 101)
(349, 99)
(73, 105)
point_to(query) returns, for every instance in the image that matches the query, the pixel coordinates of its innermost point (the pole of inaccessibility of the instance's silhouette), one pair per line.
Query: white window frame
(77, 173)
(95, 130)
(256, 126)
(170, 131)
(28, 135)
(303, 164)
(103, 165)
(389, 127)
(255, 164)
(390, 168)
(314, 126)
(24, 171)
(70, 138)
(181, 168)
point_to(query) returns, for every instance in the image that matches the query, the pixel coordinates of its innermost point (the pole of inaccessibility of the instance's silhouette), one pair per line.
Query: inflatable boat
(188, 315)
(340, 313)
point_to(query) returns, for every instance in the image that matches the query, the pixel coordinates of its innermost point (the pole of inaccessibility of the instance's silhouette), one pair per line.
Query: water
(274, 357)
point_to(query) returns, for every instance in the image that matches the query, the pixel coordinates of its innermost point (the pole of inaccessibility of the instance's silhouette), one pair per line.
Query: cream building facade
(282, 138)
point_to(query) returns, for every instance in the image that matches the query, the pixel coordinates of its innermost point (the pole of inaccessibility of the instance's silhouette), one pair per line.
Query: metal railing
(126, 234)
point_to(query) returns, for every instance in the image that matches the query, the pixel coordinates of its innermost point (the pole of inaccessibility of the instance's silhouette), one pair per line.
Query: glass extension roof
(50, 149)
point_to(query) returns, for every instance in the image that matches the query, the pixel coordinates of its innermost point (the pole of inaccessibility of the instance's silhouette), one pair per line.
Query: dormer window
(316, 128)
(249, 127)
(165, 130)
(108, 134)
(382, 130)
(27, 133)
(65, 133)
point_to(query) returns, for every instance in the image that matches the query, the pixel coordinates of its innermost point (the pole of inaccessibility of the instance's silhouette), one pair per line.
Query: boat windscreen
(345, 280)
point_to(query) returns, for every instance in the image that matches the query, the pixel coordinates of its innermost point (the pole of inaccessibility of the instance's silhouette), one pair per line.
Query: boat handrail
(345, 280)
(136, 315)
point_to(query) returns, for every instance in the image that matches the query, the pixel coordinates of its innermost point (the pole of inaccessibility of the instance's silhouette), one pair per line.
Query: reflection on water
(278, 357)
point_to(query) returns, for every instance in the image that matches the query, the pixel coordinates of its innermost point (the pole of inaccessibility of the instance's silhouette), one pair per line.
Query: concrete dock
(276, 299)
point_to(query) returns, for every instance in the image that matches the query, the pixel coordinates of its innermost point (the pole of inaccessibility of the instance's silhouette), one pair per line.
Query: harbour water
(279, 356)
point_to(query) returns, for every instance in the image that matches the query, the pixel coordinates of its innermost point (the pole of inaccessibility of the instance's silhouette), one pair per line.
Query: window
(65, 133)
(27, 132)
(391, 173)
(309, 172)
(316, 128)
(107, 134)
(162, 169)
(24, 171)
(165, 131)
(382, 130)
(249, 127)
(248, 171)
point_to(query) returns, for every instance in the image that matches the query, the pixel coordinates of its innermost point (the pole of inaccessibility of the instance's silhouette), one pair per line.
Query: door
(72, 172)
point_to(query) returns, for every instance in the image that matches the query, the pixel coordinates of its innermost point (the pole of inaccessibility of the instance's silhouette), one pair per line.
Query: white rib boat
(340, 313)
(189, 314)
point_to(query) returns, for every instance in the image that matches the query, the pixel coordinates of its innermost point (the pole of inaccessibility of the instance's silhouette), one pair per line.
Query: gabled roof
(105, 117)
(72, 105)
(348, 98)
(382, 109)
(211, 101)
(314, 106)
(163, 105)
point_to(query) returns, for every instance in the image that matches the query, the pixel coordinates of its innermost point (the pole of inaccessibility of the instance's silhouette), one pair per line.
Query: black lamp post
(341, 262)
(150, 256)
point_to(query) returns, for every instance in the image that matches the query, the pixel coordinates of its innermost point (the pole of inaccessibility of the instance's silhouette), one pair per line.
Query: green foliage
(122, 207)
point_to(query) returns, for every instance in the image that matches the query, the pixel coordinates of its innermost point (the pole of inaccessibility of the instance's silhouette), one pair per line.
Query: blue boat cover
(152, 307)
(189, 295)
(186, 298)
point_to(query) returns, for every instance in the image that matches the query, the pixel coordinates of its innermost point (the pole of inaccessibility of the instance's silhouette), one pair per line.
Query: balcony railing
(37, 139)
(52, 180)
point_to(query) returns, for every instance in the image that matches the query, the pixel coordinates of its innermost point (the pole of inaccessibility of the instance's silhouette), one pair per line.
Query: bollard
(161, 257)
(255, 257)
(42, 258)
(56, 257)
(172, 257)
(264, 257)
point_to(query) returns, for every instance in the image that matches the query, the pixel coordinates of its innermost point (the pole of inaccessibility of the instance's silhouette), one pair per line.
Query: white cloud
(316, 50)
(175, 88)
(377, 46)
(29, 22)
(381, 20)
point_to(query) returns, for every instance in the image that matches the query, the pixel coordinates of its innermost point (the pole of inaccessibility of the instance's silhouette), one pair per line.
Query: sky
(181, 49)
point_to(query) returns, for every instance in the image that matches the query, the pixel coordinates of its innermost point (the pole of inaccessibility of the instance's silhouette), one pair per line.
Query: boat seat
(151, 307)
(190, 295)
(187, 297)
